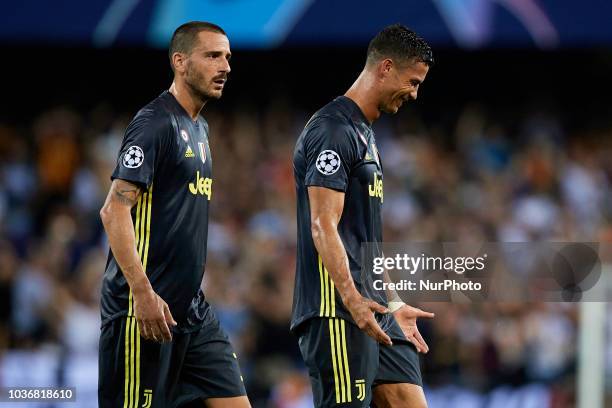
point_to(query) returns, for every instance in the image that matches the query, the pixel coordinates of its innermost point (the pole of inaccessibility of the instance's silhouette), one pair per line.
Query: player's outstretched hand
(362, 310)
(153, 316)
(406, 317)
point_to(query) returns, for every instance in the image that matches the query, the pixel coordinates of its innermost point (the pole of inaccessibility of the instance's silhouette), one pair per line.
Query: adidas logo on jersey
(189, 152)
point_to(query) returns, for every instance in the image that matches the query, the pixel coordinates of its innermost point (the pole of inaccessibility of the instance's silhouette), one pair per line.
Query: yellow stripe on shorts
(342, 376)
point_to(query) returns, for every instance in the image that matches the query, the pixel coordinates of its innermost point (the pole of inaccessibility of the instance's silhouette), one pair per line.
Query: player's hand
(153, 316)
(362, 310)
(406, 316)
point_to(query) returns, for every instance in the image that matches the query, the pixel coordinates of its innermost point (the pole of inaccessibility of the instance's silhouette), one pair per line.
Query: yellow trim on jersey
(143, 220)
(332, 290)
(137, 235)
(142, 230)
(322, 286)
(328, 292)
(148, 230)
(342, 375)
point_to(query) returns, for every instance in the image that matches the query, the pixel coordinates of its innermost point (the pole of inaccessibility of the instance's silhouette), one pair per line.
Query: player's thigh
(342, 361)
(234, 402)
(210, 370)
(132, 371)
(399, 395)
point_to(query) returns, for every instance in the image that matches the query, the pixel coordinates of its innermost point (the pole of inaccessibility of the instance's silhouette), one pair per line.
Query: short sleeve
(331, 152)
(140, 149)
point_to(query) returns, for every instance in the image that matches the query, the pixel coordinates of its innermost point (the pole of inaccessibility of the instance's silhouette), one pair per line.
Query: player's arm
(394, 302)
(326, 207)
(151, 311)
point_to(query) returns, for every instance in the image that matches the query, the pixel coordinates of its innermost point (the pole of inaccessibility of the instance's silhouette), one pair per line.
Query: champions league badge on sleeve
(328, 162)
(133, 158)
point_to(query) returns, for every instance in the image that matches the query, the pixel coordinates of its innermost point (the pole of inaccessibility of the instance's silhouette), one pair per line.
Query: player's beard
(199, 85)
(388, 107)
(393, 104)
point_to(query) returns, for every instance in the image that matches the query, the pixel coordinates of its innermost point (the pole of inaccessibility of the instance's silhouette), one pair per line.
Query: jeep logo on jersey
(328, 162)
(133, 157)
(201, 185)
(376, 188)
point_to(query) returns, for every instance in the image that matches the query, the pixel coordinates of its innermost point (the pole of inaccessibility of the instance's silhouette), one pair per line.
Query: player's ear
(178, 61)
(384, 67)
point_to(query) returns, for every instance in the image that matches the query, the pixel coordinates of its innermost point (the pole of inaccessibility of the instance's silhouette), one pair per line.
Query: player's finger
(168, 315)
(378, 334)
(164, 330)
(147, 326)
(420, 339)
(422, 313)
(377, 307)
(421, 348)
(155, 331)
(418, 345)
(143, 329)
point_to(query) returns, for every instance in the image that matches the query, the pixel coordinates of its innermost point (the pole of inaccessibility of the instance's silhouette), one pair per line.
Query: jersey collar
(354, 110)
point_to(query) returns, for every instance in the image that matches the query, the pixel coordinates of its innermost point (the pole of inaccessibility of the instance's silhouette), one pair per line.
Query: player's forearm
(119, 228)
(391, 293)
(394, 301)
(333, 254)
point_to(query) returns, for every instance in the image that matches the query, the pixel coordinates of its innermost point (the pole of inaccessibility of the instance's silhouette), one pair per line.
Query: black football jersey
(166, 153)
(336, 150)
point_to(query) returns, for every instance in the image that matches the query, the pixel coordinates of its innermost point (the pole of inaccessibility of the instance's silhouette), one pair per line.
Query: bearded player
(161, 344)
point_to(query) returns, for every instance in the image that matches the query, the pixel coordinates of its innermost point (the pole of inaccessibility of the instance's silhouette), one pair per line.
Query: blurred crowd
(480, 179)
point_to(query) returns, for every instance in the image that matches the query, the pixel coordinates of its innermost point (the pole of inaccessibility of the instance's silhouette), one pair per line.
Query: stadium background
(509, 140)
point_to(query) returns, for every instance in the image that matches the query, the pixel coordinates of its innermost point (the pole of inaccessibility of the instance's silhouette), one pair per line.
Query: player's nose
(226, 67)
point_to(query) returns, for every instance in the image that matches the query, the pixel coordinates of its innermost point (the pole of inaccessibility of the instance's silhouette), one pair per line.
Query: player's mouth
(403, 99)
(219, 82)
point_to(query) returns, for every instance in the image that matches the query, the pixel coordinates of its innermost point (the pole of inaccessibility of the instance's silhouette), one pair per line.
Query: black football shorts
(344, 363)
(139, 373)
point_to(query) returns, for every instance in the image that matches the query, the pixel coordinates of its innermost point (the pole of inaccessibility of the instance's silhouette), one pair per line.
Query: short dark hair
(400, 44)
(186, 36)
